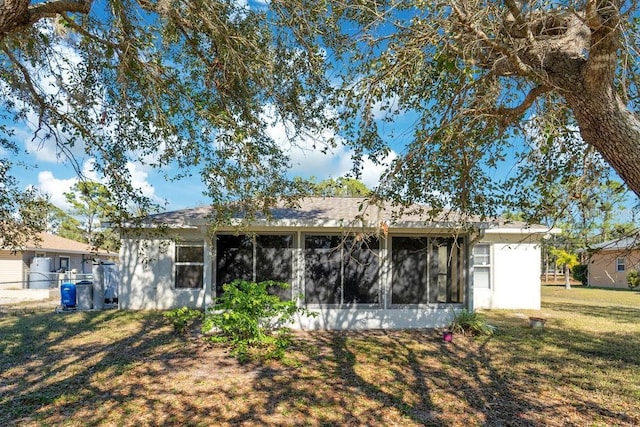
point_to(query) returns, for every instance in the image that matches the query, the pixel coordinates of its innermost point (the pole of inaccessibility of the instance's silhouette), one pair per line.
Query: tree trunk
(13, 14)
(567, 275)
(609, 127)
(546, 266)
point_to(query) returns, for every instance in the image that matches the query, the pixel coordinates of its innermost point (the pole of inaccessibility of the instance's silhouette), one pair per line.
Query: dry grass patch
(125, 368)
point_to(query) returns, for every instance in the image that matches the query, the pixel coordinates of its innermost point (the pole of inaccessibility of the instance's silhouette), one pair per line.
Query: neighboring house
(610, 262)
(40, 265)
(355, 268)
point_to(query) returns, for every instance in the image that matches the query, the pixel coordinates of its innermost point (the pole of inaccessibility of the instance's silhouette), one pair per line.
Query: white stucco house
(349, 262)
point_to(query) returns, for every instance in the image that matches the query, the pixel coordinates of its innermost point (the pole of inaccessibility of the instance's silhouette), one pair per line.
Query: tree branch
(87, 34)
(54, 8)
(18, 14)
(44, 106)
(522, 68)
(603, 18)
(509, 114)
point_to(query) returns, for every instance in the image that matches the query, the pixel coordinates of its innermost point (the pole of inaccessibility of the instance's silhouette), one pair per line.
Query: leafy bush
(183, 319)
(633, 279)
(251, 320)
(470, 323)
(579, 273)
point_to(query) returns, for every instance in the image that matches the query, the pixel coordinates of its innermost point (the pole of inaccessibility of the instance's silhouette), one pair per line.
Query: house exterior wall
(514, 274)
(147, 280)
(147, 270)
(603, 268)
(11, 271)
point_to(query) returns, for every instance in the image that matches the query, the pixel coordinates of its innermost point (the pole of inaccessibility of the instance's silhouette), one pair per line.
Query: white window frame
(488, 266)
(620, 264)
(194, 243)
(68, 267)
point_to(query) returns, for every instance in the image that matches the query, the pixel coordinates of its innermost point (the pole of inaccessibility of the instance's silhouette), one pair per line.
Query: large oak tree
(548, 87)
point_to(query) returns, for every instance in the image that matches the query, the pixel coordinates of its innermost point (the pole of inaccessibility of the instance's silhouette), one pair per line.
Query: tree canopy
(90, 206)
(512, 104)
(339, 187)
(549, 87)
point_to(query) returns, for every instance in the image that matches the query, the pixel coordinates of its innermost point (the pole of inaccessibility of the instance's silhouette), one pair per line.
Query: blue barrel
(68, 295)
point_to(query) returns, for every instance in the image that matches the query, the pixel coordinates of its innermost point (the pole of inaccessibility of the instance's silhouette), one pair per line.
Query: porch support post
(207, 274)
(471, 242)
(469, 274)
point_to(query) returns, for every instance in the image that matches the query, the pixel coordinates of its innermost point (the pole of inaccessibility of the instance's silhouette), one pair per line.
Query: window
(40, 255)
(64, 263)
(255, 258)
(482, 266)
(189, 265)
(426, 270)
(341, 270)
(620, 264)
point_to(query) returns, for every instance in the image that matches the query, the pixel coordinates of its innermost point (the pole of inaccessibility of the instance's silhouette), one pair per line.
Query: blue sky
(40, 164)
(54, 175)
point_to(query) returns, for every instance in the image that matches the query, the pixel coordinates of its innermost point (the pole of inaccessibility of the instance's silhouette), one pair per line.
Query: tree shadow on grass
(68, 368)
(124, 368)
(412, 378)
(396, 377)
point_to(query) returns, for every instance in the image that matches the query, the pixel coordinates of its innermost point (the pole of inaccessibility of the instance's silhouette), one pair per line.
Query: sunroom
(408, 274)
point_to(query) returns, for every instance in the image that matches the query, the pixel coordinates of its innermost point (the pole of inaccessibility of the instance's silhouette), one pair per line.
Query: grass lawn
(128, 368)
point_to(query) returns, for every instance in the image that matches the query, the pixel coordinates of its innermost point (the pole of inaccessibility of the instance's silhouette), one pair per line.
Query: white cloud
(55, 188)
(140, 179)
(371, 171)
(312, 157)
(89, 173)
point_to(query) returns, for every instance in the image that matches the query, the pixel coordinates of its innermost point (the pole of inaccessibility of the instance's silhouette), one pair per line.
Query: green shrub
(183, 319)
(579, 273)
(251, 320)
(633, 279)
(469, 323)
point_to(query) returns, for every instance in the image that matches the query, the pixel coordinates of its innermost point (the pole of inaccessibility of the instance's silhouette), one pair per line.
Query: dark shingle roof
(333, 211)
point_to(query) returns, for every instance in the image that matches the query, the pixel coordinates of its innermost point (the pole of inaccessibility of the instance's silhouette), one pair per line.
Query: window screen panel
(189, 276)
(274, 261)
(189, 265)
(234, 260)
(189, 253)
(446, 270)
(409, 265)
(439, 269)
(481, 278)
(481, 255)
(361, 270)
(323, 262)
